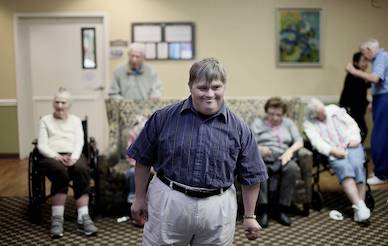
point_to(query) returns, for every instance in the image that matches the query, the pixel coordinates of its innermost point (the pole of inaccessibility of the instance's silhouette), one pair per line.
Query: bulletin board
(166, 40)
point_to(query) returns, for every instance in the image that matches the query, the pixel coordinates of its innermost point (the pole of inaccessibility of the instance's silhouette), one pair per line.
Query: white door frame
(23, 84)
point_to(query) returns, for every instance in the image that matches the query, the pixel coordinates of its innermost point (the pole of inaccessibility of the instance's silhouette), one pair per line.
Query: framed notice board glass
(166, 40)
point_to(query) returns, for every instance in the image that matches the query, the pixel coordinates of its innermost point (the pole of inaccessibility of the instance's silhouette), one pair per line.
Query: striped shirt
(208, 153)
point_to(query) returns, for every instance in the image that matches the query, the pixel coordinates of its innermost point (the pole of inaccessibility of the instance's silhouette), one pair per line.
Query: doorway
(49, 54)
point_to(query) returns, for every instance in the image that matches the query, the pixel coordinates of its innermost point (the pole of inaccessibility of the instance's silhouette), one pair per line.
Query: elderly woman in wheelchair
(60, 142)
(333, 133)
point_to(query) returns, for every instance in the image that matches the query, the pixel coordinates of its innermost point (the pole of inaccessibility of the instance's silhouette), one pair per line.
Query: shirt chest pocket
(224, 159)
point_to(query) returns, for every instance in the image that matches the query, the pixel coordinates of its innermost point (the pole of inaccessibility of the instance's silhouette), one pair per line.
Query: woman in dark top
(354, 94)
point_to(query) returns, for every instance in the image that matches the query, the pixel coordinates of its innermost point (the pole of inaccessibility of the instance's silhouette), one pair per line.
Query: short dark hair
(357, 57)
(275, 102)
(208, 69)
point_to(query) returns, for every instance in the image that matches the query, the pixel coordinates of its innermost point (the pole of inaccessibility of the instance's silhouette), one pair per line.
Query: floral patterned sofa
(122, 118)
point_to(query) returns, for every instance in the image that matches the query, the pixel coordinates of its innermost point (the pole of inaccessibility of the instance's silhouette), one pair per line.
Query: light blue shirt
(380, 68)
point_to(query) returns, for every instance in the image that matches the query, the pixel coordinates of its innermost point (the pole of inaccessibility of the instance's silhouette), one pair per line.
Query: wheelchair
(37, 194)
(320, 165)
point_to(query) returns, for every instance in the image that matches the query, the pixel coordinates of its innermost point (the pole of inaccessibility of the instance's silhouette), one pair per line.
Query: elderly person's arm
(43, 145)
(156, 89)
(352, 129)
(371, 77)
(115, 89)
(298, 141)
(315, 139)
(318, 143)
(78, 141)
(287, 155)
(257, 130)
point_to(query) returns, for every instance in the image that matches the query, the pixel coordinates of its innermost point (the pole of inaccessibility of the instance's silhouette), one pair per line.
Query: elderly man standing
(379, 78)
(196, 147)
(135, 79)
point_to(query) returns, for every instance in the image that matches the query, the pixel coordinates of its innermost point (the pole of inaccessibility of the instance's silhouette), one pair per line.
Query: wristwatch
(253, 216)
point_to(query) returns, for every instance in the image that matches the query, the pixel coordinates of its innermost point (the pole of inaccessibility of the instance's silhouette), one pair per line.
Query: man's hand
(251, 228)
(286, 157)
(265, 151)
(353, 144)
(338, 153)
(350, 68)
(139, 211)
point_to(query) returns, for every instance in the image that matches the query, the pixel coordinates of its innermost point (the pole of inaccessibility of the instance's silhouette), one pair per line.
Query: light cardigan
(337, 130)
(60, 136)
(131, 85)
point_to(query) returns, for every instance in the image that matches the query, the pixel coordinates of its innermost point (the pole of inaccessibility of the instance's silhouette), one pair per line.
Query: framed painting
(298, 37)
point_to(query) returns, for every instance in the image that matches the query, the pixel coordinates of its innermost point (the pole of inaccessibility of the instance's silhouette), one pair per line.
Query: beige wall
(8, 128)
(240, 33)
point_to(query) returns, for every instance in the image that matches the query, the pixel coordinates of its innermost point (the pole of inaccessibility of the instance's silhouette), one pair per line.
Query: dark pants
(359, 116)
(60, 175)
(282, 183)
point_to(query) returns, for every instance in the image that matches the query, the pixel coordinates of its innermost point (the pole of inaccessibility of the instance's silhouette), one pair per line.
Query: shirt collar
(188, 105)
(132, 71)
(380, 51)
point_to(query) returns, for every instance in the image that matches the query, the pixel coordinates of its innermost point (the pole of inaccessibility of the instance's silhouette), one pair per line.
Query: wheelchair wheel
(317, 201)
(369, 200)
(36, 188)
(92, 202)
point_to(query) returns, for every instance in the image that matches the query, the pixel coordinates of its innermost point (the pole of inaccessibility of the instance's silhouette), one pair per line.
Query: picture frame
(298, 37)
(88, 46)
(166, 40)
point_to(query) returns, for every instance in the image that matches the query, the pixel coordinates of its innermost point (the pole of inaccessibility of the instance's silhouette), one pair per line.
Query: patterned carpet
(317, 229)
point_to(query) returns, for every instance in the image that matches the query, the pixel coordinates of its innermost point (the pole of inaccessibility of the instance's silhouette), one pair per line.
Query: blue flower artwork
(299, 36)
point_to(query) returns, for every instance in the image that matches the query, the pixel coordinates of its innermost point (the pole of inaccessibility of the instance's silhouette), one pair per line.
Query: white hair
(370, 43)
(312, 108)
(137, 46)
(63, 93)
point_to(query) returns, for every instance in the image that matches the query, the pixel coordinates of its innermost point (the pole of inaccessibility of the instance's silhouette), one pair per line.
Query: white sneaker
(361, 212)
(375, 181)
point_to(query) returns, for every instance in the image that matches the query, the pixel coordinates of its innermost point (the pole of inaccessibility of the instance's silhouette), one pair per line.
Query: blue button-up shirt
(380, 68)
(208, 153)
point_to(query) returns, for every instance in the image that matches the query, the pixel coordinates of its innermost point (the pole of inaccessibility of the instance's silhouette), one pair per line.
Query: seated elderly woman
(278, 140)
(336, 135)
(60, 142)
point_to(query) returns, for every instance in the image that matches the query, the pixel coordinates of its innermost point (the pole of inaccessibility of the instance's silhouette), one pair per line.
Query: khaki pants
(177, 219)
